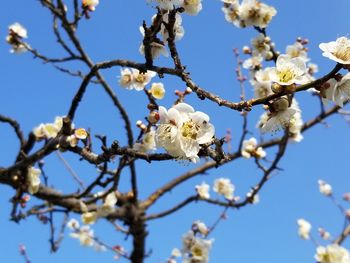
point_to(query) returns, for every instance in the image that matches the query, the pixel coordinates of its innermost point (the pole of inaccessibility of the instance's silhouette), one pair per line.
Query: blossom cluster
(50, 130)
(191, 7)
(195, 245)
(15, 37)
(334, 252)
(248, 13)
(108, 206)
(221, 186)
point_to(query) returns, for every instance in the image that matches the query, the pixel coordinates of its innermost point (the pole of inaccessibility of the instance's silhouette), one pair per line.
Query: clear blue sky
(32, 92)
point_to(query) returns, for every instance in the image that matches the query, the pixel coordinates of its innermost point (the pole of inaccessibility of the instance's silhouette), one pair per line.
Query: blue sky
(32, 92)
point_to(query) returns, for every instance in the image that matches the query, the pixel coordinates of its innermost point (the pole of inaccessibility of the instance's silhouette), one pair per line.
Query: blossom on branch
(33, 180)
(304, 228)
(338, 50)
(332, 254)
(15, 35)
(182, 130)
(289, 71)
(157, 90)
(336, 91)
(223, 186)
(248, 13)
(249, 149)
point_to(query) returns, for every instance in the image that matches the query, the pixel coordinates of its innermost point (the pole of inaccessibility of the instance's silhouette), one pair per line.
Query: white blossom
(182, 130)
(253, 62)
(141, 79)
(157, 90)
(126, 78)
(231, 11)
(338, 50)
(203, 190)
(192, 7)
(15, 35)
(73, 224)
(49, 130)
(337, 91)
(325, 235)
(168, 4)
(297, 50)
(280, 118)
(260, 45)
(304, 228)
(90, 4)
(262, 83)
(148, 142)
(85, 236)
(296, 124)
(18, 30)
(195, 249)
(332, 254)
(324, 188)
(89, 218)
(200, 227)
(249, 149)
(178, 28)
(255, 13)
(33, 180)
(108, 205)
(223, 186)
(289, 71)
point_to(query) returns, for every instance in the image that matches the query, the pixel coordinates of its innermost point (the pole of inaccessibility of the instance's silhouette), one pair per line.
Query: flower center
(191, 2)
(286, 75)
(190, 130)
(343, 53)
(197, 251)
(141, 78)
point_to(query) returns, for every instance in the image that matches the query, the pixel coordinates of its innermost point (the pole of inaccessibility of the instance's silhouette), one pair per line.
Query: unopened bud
(246, 50)
(153, 117)
(276, 88)
(188, 90)
(138, 123)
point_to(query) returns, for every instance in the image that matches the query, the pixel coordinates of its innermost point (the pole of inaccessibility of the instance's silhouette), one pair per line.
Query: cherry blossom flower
(90, 4)
(262, 83)
(140, 79)
(33, 180)
(89, 218)
(192, 7)
(157, 90)
(337, 91)
(289, 71)
(16, 33)
(304, 228)
(178, 28)
(297, 50)
(332, 254)
(280, 118)
(85, 236)
(223, 186)
(249, 149)
(168, 4)
(182, 130)
(126, 78)
(255, 13)
(195, 249)
(148, 142)
(203, 190)
(231, 11)
(338, 50)
(325, 188)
